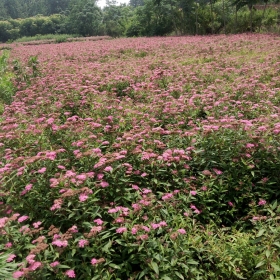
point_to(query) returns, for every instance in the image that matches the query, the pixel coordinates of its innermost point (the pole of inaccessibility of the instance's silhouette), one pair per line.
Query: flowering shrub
(164, 166)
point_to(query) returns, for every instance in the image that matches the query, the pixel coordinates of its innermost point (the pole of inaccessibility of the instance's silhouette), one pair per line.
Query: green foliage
(19, 74)
(30, 27)
(24, 74)
(6, 84)
(85, 18)
(148, 18)
(57, 38)
(6, 268)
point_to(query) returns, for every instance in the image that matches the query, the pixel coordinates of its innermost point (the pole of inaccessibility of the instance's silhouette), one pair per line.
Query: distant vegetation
(19, 18)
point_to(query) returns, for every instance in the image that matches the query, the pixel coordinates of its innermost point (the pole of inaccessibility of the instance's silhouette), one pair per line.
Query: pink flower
(73, 229)
(193, 192)
(143, 237)
(230, 203)
(146, 191)
(104, 184)
(81, 177)
(30, 258)
(262, 202)
(145, 228)
(18, 274)
(121, 229)
(83, 197)
(135, 187)
(22, 218)
(23, 192)
(163, 224)
(83, 243)
(54, 264)
(42, 170)
(70, 273)
(113, 210)
(28, 187)
(60, 243)
(167, 196)
(35, 265)
(155, 226)
(249, 145)
(181, 230)
(36, 225)
(217, 171)
(3, 221)
(51, 155)
(108, 168)
(9, 245)
(96, 229)
(94, 261)
(134, 230)
(61, 167)
(50, 121)
(98, 222)
(10, 258)
(119, 220)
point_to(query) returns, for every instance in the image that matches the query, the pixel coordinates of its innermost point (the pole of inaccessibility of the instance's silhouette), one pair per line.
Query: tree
(136, 3)
(85, 18)
(242, 3)
(12, 8)
(57, 6)
(115, 19)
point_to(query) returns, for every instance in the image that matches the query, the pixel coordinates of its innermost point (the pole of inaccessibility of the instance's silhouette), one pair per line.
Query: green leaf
(173, 261)
(179, 275)
(277, 244)
(114, 266)
(274, 205)
(142, 274)
(275, 266)
(107, 246)
(260, 264)
(73, 252)
(165, 278)
(105, 235)
(155, 267)
(158, 257)
(192, 262)
(63, 266)
(261, 232)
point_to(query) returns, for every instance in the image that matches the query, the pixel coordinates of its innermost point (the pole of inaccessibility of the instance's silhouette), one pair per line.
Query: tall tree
(249, 3)
(12, 8)
(85, 17)
(136, 3)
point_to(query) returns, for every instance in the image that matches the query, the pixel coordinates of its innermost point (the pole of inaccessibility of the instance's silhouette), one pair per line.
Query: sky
(102, 3)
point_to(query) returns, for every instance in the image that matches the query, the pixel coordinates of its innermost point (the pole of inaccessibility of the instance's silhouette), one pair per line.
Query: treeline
(139, 18)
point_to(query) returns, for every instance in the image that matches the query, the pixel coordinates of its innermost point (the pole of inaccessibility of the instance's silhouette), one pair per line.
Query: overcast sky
(102, 3)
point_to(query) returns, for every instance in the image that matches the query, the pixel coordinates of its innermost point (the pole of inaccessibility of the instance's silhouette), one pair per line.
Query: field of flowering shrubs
(143, 158)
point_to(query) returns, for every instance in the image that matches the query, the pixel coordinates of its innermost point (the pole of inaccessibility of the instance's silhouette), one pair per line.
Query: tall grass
(58, 38)
(6, 85)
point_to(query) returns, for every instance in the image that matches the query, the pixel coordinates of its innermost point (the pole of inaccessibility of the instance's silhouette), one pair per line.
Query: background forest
(20, 18)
